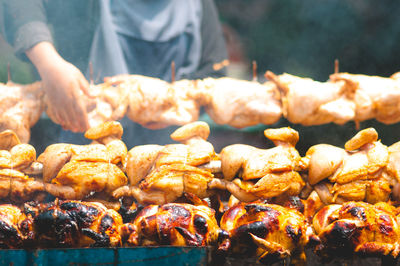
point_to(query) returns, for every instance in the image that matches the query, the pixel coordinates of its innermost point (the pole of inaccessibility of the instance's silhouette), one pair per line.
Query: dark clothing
(70, 25)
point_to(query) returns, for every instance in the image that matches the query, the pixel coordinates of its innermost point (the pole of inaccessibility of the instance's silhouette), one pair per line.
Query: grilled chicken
(357, 172)
(161, 174)
(267, 231)
(16, 229)
(77, 171)
(73, 223)
(310, 102)
(264, 173)
(176, 224)
(20, 108)
(155, 104)
(375, 97)
(357, 227)
(239, 103)
(17, 162)
(109, 103)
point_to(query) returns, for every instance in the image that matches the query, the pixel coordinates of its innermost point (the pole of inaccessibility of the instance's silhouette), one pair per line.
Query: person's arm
(214, 50)
(63, 84)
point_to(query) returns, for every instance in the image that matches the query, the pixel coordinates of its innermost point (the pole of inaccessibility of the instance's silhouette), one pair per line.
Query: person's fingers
(84, 86)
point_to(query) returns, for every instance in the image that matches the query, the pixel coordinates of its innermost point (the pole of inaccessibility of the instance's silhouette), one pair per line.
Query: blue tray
(164, 256)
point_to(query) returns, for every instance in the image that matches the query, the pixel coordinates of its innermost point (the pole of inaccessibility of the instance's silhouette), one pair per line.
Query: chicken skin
(309, 102)
(357, 172)
(176, 224)
(239, 103)
(76, 224)
(77, 171)
(20, 108)
(156, 104)
(161, 174)
(374, 97)
(357, 227)
(264, 173)
(16, 229)
(268, 231)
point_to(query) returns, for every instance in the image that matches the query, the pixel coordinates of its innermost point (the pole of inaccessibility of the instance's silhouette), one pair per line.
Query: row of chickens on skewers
(332, 199)
(155, 104)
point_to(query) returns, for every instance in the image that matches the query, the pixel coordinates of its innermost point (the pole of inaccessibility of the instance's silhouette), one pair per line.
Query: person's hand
(64, 86)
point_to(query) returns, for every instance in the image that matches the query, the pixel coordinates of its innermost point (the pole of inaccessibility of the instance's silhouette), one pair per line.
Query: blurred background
(298, 37)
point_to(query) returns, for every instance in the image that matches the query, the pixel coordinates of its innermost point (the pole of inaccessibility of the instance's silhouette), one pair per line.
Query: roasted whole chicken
(309, 102)
(78, 171)
(73, 223)
(176, 224)
(268, 231)
(161, 174)
(155, 103)
(239, 103)
(16, 229)
(357, 227)
(264, 173)
(17, 166)
(20, 108)
(357, 172)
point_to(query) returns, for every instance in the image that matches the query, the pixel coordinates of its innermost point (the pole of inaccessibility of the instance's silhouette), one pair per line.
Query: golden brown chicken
(268, 231)
(16, 229)
(17, 164)
(73, 223)
(357, 172)
(264, 173)
(309, 102)
(239, 103)
(357, 227)
(155, 104)
(374, 97)
(176, 224)
(20, 108)
(161, 174)
(77, 171)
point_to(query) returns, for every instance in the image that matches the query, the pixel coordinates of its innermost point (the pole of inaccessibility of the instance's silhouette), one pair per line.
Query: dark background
(298, 37)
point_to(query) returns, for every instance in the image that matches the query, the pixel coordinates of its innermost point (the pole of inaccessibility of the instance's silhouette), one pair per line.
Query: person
(142, 37)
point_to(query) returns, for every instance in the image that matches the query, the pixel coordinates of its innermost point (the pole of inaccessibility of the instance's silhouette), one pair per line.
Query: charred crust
(82, 214)
(342, 236)
(101, 240)
(358, 212)
(177, 211)
(254, 208)
(106, 223)
(291, 232)
(9, 236)
(385, 224)
(296, 203)
(258, 228)
(200, 223)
